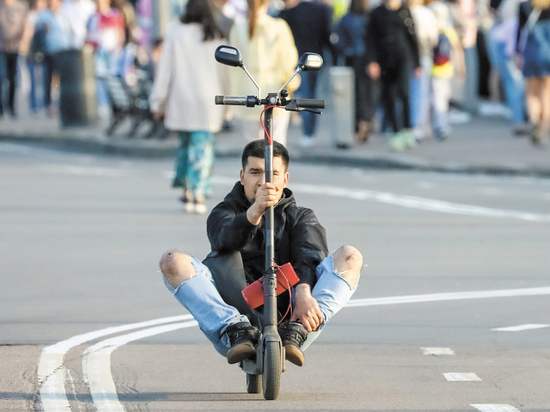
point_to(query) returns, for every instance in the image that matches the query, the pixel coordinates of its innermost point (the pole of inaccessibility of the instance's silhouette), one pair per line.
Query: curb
(154, 149)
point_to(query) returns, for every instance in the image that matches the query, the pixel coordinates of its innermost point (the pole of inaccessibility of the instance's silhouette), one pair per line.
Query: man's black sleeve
(308, 246)
(228, 230)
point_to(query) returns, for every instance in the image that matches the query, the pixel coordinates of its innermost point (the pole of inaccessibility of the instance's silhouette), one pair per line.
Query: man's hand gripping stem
(306, 311)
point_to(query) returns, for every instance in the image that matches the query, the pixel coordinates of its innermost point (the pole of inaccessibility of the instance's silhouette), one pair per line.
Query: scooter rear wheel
(253, 383)
(272, 370)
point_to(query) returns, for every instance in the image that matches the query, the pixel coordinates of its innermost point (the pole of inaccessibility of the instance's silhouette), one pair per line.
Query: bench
(129, 104)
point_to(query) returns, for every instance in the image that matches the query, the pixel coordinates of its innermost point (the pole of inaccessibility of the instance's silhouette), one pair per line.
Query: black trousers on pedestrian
(366, 90)
(396, 92)
(49, 69)
(10, 60)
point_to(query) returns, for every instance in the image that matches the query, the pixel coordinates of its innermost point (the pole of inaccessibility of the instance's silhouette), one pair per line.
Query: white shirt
(188, 78)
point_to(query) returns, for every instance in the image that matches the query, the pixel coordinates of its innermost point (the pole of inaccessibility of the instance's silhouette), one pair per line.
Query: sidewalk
(481, 144)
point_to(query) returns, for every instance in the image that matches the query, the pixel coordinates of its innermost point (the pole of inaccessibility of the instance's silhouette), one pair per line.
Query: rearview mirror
(310, 62)
(229, 56)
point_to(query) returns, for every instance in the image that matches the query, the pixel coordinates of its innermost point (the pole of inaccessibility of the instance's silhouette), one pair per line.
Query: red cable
(269, 140)
(290, 296)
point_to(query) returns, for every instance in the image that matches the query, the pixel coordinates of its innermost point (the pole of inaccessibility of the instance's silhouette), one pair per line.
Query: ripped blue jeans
(201, 298)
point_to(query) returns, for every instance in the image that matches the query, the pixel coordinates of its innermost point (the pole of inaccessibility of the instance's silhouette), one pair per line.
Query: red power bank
(253, 294)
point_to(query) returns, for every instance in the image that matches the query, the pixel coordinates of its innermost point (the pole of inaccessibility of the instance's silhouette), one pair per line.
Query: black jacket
(310, 24)
(391, 40)
(299, 237)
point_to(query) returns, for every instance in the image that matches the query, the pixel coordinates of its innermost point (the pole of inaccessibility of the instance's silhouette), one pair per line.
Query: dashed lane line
(461, 377)
(494, 408)
(437, 351)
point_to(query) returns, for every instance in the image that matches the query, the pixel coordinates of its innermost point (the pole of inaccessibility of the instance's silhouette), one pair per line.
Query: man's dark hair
(256, 148)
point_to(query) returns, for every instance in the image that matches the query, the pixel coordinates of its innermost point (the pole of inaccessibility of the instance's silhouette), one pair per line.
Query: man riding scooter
(211, 290)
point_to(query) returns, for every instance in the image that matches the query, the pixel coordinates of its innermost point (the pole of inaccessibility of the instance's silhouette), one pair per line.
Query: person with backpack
(534, 45)
(447, 62)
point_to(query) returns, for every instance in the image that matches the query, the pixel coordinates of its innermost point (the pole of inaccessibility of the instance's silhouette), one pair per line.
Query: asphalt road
(452, 260)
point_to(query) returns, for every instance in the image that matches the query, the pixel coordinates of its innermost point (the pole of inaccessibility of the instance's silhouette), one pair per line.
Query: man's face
(253, 176)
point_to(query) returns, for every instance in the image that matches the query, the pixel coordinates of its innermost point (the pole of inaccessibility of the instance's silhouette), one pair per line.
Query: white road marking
(407, 201)
(419, 203)
(520, 328)
(50, 366)
(494, 408)
(412, 202)
(89, 171)
(435, 297)
(438, 351)
(461, 377)
(96, 365)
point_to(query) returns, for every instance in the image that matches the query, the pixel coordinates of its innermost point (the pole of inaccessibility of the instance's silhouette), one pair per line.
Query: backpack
(37, 48)
(442, 51)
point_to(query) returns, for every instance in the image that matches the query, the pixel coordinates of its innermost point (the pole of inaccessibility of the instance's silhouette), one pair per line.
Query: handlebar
(309, 103)
(288, 104)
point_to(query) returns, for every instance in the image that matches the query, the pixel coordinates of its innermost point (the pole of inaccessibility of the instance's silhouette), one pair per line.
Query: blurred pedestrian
(501, 42)
(427, 36)
(311, 25)
(13, 16)
(447, 62)
(350, 45)
(129, 18)
(32, 60)
(271, 57)
(52, 34)
(392, 51)
(223, 21)
(534, 24)
(78, 13)
(187, 79)
(105, 32)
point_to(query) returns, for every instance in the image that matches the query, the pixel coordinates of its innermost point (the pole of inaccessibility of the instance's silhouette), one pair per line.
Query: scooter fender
(255, 366)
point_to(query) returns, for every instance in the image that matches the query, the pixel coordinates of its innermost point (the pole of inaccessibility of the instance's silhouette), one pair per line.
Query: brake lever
(314, 111)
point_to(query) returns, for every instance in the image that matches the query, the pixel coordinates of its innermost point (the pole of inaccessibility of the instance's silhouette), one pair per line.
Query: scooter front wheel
(253, 383)
(272, 370)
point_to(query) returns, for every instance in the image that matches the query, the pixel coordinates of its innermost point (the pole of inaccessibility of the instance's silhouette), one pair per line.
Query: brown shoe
(243, 336)
(293, 335)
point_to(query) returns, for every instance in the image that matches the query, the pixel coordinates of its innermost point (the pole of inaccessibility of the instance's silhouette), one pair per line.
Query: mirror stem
(289, 80)
(253, 81)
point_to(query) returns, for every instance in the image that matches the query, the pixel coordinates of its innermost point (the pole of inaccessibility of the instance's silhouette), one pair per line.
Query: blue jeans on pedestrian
(201, 298)
(512, 79)
(420, 98)
(307, 91)
(35, 71)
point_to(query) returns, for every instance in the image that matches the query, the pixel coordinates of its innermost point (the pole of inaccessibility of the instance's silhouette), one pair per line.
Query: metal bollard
(77, 88)
(342, 105)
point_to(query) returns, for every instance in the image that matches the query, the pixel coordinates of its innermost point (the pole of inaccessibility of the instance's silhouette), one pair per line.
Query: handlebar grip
(310, 103)
(231, 100)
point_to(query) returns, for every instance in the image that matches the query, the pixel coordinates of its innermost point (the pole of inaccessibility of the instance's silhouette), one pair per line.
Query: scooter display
(264, 372)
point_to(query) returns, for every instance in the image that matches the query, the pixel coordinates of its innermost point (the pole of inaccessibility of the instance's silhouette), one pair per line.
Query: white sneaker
(307, 141)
